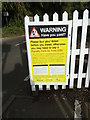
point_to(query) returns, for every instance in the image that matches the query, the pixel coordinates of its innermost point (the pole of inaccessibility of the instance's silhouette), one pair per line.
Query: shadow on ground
(15, 69)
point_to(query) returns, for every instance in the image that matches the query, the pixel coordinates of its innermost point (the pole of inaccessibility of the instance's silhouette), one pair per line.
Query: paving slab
(41, 106)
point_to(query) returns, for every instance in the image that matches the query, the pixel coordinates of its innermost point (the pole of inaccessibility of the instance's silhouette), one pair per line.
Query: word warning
(48, 47)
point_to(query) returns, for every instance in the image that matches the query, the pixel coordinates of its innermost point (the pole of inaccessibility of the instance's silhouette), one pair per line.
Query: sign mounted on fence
(48, 46)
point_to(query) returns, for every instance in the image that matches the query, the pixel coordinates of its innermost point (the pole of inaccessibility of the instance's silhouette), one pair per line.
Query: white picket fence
(75, 23)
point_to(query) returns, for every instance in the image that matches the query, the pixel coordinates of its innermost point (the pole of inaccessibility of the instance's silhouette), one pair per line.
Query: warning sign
(48, 52)
(48, 31)
(34, 33)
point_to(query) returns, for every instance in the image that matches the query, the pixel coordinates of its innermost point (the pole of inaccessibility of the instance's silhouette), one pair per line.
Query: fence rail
(75, 24)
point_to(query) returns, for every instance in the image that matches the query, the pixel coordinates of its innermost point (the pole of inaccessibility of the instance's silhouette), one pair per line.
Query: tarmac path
(17, 99)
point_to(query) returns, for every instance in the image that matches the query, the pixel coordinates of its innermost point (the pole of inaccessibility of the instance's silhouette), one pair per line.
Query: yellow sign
(48, 58)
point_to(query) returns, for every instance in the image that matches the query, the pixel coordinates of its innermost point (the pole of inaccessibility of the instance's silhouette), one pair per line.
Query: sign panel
(48, 47)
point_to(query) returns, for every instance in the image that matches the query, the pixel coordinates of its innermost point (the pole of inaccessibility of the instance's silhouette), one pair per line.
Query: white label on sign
(57, 69)
(40, 70)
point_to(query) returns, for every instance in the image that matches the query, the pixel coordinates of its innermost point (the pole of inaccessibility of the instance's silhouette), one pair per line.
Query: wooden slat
(88, 21)
(83, 42)
(77, 52)
(48, 87)
(88, 74)
(40, 87)
(36, 18)
(33, 87)
(76, 76)
(55, 19)
(64, 18)
(56, 87)
(74, 41)
(88, 66)
(46, 19)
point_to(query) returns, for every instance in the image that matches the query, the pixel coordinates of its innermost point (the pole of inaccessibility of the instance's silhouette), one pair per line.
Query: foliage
(18, 10)
(0, 5)
(12, 31)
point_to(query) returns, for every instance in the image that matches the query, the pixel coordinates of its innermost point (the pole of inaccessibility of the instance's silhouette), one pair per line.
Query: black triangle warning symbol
(34, 33)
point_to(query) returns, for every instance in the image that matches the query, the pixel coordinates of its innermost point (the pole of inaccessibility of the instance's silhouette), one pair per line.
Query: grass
(12, 31)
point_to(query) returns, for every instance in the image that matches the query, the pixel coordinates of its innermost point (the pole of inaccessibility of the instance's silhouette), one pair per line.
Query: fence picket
(87, 79)
(56, 87)
(55, 19)
(46, 17)
(36, 18)
(83, 42)
(64, 18)
(33, 88)
(40, 87)
(87, 74)
(73, 51)
(48, 87)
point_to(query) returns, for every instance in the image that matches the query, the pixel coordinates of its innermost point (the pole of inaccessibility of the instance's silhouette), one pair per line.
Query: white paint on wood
(55, 17)
(48, 87)
(73, 51)
(46, 17)
(65, 18)
(28, 48)
(36, 18)
(40, 87)
(56, 87)
(88, 72)
(82, 49)
(77, 52)
(33, 88)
